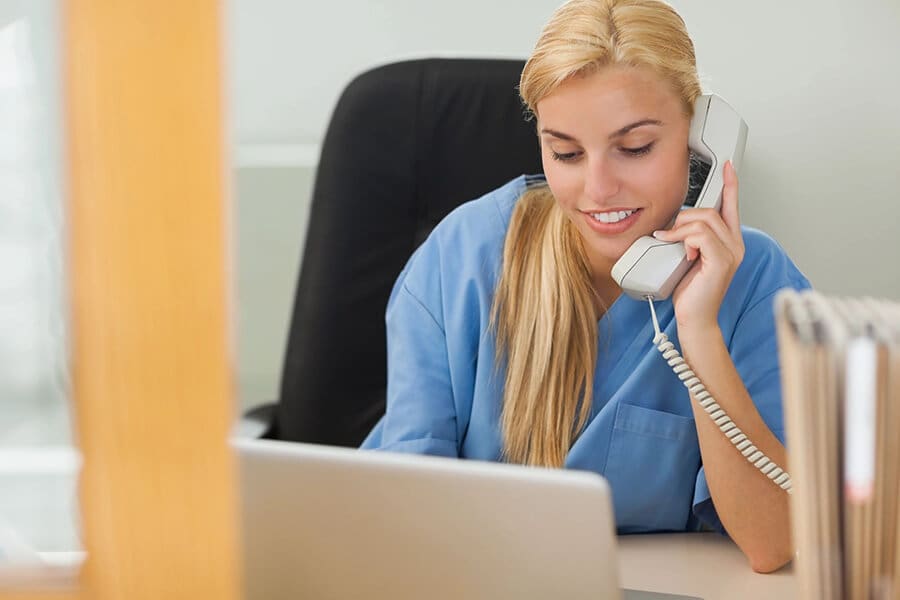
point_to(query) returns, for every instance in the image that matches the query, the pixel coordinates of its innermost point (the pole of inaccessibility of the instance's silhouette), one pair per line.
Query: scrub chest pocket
(652, 467)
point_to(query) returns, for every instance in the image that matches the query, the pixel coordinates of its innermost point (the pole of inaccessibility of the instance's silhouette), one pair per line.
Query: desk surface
(706, 565)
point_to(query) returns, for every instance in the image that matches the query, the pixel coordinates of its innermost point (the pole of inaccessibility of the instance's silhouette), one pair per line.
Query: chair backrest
(406, 144)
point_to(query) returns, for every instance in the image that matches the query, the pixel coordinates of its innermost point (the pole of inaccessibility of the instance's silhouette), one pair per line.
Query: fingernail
(659, 234)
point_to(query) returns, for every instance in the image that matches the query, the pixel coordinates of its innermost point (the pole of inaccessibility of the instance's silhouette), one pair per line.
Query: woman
(509, 340)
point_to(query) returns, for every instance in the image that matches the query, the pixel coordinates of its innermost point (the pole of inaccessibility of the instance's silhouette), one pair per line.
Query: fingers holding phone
(714, 241)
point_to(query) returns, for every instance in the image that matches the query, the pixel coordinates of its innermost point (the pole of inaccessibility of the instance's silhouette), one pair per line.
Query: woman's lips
(612, 228)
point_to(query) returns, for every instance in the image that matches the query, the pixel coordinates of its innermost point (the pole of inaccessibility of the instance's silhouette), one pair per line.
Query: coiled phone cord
(753, 454)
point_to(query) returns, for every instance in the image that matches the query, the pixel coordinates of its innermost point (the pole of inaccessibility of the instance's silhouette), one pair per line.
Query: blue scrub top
(444, 391)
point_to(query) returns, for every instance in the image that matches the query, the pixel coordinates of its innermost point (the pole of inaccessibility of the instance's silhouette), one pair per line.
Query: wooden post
(148, 277)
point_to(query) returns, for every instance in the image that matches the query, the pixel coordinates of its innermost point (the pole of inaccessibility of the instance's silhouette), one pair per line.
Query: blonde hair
(544, 309)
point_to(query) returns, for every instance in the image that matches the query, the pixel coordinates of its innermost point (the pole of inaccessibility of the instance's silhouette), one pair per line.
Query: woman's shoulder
(763, 255)
(467, 244)
(486, 217)
(474, 230)
(765, 269)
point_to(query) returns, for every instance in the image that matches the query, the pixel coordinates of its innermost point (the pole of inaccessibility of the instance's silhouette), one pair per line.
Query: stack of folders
(840, 369)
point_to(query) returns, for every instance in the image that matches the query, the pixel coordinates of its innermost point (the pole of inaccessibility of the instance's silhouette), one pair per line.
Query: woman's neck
(608, 291)
(604, 285)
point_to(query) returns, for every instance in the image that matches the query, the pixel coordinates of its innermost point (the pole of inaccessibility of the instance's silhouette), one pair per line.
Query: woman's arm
(420, 415)
(753, 509)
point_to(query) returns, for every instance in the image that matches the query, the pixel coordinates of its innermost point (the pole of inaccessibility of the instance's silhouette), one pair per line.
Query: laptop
(332, 523)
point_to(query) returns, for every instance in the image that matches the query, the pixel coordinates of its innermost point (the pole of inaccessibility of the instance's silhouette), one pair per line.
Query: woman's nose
(601, 181)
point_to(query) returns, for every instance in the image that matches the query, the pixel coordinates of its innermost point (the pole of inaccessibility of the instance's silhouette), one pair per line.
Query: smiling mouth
(613, 216)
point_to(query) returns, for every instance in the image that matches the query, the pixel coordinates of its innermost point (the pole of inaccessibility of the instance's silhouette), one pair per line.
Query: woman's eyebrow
(634, 125)
(559, 134)
(612, 136)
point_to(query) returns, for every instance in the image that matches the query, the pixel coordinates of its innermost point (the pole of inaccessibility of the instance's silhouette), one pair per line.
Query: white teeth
(611, 217)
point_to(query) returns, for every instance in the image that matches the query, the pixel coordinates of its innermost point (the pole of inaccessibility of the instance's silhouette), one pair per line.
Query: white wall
(288, 60)
(818, 83)
(816, 80)
(33, 342)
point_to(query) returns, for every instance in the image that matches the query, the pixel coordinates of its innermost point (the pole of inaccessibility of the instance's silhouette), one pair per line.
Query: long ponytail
(545, 315)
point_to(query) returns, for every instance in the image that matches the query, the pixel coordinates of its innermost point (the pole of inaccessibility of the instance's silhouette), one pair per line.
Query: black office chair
(406, 144)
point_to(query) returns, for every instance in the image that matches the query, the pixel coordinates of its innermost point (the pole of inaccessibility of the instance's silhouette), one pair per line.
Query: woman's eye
(565, 156)
(638, 151)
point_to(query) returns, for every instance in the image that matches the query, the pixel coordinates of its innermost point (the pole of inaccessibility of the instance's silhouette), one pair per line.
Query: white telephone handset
(652, 268)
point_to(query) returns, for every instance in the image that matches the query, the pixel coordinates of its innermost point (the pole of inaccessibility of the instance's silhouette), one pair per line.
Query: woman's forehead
(609, 99)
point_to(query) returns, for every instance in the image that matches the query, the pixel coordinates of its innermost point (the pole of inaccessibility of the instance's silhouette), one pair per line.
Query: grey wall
(270, 222)
(816, 80)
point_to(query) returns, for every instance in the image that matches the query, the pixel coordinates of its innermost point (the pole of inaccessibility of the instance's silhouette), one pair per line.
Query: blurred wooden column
(149, 284)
